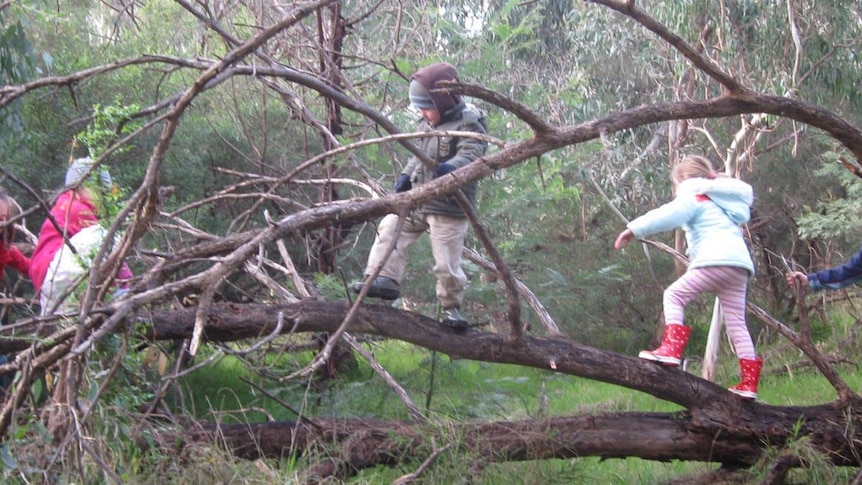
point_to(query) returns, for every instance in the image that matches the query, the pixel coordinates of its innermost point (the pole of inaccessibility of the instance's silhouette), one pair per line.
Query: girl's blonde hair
(692, 166)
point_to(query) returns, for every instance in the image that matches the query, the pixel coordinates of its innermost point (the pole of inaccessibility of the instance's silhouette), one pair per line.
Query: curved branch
(513, 154)
(522, 111)
(10, 93)
(703, 63)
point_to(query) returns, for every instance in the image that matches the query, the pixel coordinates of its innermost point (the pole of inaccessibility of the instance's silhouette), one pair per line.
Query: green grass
(460, 389)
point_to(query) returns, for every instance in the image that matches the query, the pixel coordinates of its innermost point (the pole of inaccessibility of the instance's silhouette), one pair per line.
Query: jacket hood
(732, 195)
(430, 75)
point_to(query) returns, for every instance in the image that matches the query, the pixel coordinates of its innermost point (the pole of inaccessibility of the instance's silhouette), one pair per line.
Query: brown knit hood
(430, 75)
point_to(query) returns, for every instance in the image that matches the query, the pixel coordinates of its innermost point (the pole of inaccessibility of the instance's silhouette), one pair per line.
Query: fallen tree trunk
(368, 443)
(716, 426)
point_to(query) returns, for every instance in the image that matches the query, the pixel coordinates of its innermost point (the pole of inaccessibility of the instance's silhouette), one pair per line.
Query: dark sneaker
(381, 287)
(453, 319)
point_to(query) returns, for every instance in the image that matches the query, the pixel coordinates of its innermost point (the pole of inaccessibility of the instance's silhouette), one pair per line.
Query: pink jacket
(72, 213)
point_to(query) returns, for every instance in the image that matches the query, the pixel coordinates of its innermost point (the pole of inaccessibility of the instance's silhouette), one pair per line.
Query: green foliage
(18, 63)
(110, 202)
(537, 28)
(109, 123)
(836, 213)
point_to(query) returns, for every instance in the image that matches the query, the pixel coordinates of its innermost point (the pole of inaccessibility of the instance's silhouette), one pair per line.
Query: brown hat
(426, 79)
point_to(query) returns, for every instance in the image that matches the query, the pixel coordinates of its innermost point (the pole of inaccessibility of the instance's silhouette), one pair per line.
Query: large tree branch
(227, 322)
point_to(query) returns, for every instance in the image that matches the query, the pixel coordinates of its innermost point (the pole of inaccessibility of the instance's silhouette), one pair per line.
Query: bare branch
(704, 64)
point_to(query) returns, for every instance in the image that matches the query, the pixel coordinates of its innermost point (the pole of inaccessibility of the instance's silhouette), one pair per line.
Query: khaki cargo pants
(447, 244)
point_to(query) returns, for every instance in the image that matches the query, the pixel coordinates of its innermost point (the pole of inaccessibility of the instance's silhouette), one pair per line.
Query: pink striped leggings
(729, 284)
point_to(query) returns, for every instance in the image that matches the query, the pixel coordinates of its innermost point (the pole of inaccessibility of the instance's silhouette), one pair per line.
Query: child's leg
(685, 289)
(675, 334)
(731, 296)
(732, 299)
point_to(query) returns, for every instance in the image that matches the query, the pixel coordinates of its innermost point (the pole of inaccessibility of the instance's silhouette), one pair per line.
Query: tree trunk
(367, 443)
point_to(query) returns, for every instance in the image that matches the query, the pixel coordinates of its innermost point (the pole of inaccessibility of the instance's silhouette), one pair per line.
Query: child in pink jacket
(53, 266)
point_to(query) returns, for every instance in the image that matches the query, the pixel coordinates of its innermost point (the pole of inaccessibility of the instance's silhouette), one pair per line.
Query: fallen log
(362, 443)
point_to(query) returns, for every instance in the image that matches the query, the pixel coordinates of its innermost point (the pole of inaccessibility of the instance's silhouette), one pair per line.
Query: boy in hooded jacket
(442, 217)
(710, 209)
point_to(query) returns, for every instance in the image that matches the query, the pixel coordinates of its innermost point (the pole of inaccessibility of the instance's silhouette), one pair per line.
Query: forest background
(266, 89)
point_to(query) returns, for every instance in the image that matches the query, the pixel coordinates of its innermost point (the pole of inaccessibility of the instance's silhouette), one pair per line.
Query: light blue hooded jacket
(711, 211)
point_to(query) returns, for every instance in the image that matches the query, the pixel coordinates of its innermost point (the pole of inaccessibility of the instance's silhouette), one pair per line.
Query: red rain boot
(672, 344)
(750, 369)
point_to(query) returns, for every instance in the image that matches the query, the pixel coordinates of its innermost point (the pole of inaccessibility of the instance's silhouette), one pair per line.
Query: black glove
(403, 184)
(443, 169)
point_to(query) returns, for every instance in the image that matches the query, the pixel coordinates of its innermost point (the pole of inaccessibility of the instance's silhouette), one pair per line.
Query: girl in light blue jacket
(711, 210)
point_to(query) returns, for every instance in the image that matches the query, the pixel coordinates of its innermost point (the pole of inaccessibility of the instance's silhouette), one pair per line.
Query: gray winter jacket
(457, 151)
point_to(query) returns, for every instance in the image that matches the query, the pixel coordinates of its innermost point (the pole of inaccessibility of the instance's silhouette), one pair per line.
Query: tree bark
(368, 443)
